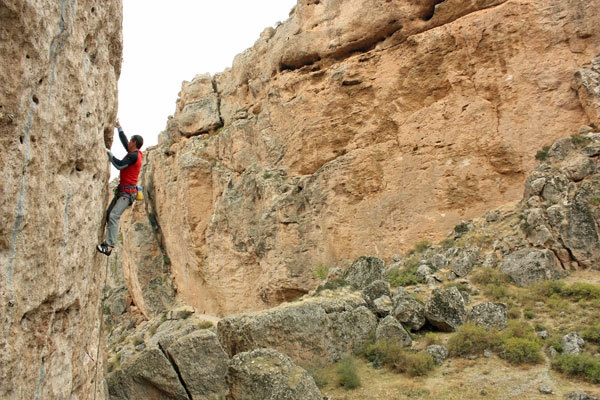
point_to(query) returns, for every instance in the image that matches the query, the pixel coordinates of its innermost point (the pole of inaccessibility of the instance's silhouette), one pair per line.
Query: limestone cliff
(356, 127)
(58, 84)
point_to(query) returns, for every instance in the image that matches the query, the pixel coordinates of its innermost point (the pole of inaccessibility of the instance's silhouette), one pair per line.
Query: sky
(166, 43)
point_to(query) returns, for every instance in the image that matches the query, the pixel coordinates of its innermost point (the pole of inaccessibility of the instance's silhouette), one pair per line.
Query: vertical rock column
(58, 100)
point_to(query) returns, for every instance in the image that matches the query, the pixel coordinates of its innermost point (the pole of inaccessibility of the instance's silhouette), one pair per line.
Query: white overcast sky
(168, 42)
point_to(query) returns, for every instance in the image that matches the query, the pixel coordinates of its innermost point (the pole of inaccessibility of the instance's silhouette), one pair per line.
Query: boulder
(375, 290)
(462, 263)
(377, 295)
(572, 343)
(314, 331)
(489, 315)
(577, 395)
(410, 312)
(171, 359)
(149, 376)
(446, 309)
(391, 330)
(382, 306)
(202, 364)
(266, 374)
(438, 352)
(530, 265)
(364, 271)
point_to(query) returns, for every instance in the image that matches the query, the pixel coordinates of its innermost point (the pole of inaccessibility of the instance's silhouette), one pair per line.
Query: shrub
(542, 154)
(579, 140)
(403, 277)
(595, 200)
(320, 272)
(577, 291)
(332, 285)
(347, 374)
(583, 291)
(470, 339)
(519, 329)
(490, 276)
(461, 229)
(383, 353)
(421, 246)
(518, 350)
(319, 377)
(447, 243)
(432, 338)
(556, 343)
(392, 355)
(581, 365)
(591, 333)
(205, 325)
(417, 364)
(528, 314)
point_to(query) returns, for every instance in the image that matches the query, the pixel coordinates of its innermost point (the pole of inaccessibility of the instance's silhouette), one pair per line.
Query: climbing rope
(100, 329)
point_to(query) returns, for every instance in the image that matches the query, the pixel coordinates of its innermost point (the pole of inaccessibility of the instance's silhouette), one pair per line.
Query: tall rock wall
(58, 100)
(358, 127)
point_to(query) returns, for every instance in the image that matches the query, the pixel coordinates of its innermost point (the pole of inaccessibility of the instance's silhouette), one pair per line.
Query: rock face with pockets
(58, 102)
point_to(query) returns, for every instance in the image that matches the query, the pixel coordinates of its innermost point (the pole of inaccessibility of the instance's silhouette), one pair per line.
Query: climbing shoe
(104, 249)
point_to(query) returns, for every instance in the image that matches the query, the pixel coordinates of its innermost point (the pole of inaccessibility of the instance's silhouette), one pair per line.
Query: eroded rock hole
(431, 12)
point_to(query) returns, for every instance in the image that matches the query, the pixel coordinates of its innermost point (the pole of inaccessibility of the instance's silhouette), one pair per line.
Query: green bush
(383, 353)
(319, 377)
(320, 272)
(528, 314)
(556, 343)
(417, 364)
(461, 229)
(518, 329)
(421, 246)
(392, 355)
(583, 291)
(347, 374)
(542, 155)
(518, 350)
(577, 291)
(579, 140)
(403, 277)
(470, 339)
(591, 333)
(205, 325)
(490, 276)
(332, 285)
(582, 365)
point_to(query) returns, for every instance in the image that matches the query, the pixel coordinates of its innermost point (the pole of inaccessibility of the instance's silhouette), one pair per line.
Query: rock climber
(125, 193)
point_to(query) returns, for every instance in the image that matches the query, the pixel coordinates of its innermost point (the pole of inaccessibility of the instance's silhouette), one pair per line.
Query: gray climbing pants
(118, 205)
